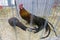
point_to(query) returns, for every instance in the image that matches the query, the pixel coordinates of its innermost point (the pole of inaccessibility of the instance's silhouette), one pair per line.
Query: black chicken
(15, 22)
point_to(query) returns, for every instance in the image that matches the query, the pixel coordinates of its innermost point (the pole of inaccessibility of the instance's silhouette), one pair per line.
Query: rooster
(15, 22)
(39, 21)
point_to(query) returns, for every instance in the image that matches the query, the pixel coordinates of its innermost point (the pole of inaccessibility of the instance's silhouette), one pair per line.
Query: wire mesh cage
(37, 11)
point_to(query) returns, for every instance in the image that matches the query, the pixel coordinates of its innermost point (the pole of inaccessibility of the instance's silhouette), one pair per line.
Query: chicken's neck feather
(25, 14)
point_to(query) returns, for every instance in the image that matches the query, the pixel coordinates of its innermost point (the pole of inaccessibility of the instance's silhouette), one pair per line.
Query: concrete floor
(7, 32)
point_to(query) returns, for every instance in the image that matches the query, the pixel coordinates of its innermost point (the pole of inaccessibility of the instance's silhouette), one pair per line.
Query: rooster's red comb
(1, 7)
(20, 5)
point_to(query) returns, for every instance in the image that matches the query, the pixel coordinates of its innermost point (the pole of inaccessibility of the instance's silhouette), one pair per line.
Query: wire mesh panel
(31, 14)
(6, 12)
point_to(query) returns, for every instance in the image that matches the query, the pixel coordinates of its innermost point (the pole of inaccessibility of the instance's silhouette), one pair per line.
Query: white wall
(41, 6)
(5, 2)
(37, 9)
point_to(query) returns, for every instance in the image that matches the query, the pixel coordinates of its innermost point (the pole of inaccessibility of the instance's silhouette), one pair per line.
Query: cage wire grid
(17, 11)
(5, 18)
